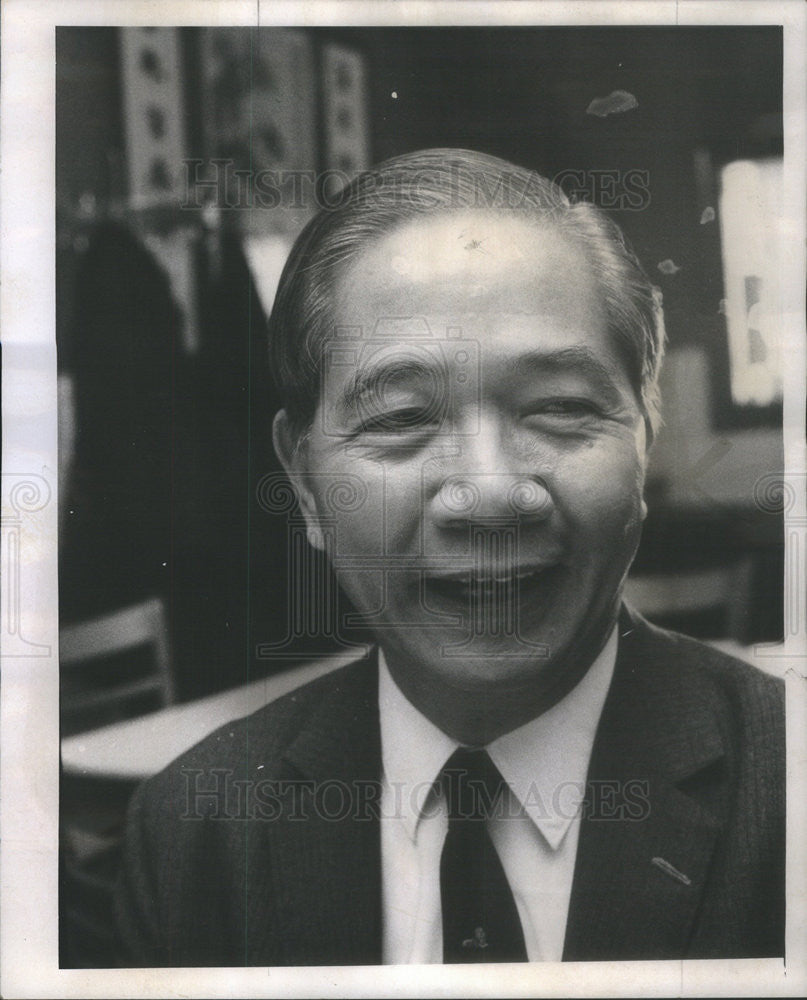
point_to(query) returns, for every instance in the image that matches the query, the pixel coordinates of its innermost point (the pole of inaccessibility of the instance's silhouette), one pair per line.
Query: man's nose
(480, 496)
(484, 482)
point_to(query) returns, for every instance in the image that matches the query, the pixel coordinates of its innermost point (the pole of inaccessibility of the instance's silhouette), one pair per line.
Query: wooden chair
(113, 667)
(113, 664)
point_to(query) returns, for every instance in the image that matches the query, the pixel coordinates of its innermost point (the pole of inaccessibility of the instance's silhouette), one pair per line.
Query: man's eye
(565, 408)
(399, 421)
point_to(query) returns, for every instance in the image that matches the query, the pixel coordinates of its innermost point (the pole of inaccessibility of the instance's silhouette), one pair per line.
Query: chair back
(115, 666)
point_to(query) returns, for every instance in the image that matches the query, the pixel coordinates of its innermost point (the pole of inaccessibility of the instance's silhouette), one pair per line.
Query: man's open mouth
(516, 587)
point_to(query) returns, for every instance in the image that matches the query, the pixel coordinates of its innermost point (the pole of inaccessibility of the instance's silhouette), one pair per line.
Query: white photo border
(29, 721)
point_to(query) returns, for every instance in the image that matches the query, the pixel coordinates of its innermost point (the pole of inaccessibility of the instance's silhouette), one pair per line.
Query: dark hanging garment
(123, 357)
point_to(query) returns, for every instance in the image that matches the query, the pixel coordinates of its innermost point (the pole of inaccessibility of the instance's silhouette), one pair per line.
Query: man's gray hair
(435, 182)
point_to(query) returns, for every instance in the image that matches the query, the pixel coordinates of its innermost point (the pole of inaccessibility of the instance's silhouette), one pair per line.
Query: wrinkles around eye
(565, 408)
(409, 420)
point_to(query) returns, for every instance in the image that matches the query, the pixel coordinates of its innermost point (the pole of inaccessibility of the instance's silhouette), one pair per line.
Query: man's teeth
(473, 580)
(504, 578)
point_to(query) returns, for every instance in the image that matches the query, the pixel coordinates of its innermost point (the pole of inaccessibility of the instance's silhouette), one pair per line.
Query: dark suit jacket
(681, 849)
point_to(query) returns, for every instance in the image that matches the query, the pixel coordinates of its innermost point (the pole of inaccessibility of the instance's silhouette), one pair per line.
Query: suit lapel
(645, 843)
(330, 857)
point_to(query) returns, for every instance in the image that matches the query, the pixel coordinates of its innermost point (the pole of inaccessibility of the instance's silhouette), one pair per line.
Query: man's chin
(481, 664)
(548, 652)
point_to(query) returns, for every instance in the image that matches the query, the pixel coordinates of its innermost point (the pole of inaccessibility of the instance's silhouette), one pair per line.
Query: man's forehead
(470, 252)
(457, 246)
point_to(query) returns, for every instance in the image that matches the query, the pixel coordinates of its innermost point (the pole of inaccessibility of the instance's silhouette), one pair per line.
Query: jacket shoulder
(697, 659)
(748, 703)
(264, 733)
(187, 858)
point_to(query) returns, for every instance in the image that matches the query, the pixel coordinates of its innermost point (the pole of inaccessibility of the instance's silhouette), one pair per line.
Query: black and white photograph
(403, 500)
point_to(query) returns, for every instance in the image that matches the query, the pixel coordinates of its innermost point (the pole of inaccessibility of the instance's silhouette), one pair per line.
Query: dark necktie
(480, 919)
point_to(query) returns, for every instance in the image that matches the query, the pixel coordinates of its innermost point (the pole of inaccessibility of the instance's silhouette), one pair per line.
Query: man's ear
(292, 451)
(646, 445)
(650, 435)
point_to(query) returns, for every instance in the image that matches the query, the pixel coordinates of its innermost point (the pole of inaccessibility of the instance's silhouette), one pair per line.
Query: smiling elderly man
(523, 768)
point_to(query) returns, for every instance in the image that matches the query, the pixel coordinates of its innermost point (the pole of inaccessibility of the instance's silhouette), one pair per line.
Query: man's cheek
(599, 500)
(604, 510)
(360, 537)
(350, 506)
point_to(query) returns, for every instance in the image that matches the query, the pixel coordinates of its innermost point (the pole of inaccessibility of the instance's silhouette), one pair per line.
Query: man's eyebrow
(366, 381)
(581, 360)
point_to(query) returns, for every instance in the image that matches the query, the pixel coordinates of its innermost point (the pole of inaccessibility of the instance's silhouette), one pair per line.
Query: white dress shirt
(544, 762)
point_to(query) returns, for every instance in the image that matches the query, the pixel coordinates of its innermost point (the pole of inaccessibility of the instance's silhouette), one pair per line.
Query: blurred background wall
(166, 263)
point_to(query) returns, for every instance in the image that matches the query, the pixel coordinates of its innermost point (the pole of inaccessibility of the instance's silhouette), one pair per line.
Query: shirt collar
(413, 749)
(545, 762)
